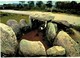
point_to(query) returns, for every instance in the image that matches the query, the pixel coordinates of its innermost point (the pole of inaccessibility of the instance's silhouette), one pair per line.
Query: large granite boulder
(52, 29)
(8, 40)
(75, 36)
(51, 32)
(56, 51)
(31, 48)
(72, 48)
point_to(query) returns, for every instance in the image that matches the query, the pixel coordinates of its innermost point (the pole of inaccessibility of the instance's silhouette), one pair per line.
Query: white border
(37, 57)
(40, 0)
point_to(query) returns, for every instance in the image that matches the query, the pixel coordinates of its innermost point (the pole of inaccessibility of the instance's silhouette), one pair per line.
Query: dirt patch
(35, 36)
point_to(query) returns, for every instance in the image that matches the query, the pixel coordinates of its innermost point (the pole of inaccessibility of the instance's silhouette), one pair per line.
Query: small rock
(56, 51)
(32, 48)
(7, 40)
(72, 48)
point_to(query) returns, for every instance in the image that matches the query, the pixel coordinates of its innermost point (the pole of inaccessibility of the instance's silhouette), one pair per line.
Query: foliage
(30, 4)
(60, 6)
(49, 4)
(39, 3)
(69, 7)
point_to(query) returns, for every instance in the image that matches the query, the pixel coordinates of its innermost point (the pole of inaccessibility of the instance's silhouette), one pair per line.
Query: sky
(17, 1)
(7, 2)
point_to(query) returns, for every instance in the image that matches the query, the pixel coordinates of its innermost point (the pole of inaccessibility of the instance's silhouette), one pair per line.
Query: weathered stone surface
(76, 26)
(8, 40)
(72, 48)
(51, 30)
(75, 36)
(23, 23)
(62, 22)
(24, 26)
(11, 22)
(41, 17)
(51, 33)
(56, 51)
(32, 48)
(14, 25)
(29, 22)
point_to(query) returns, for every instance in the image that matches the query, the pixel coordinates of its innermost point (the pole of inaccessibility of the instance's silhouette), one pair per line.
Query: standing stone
(51, 33)
(72, 48)
(24, 26)
(30, 23)
(32, 48)
(56, 51)
(14, 25)
(52, 29)
(7, 40)
(23, 23)
(11, 22)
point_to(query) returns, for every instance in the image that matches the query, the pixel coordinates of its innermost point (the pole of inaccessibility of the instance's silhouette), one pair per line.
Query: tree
(49, 4)
(73, 4)
(8, 6)
(78, 6)
(39, 3)
(30, 4)
(21, 2)
(63, 5)
(59, 4)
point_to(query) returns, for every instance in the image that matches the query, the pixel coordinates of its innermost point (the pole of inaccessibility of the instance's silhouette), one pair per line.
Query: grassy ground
(6, 16)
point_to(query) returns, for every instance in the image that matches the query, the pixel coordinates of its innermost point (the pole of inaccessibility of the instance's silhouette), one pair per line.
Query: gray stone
(77, 26)
(14, 25)
(8, 40)
(25, 27)
(23, 23)
(72, 48)
(62, 22)
(31, 48)
(11, 22)
(42, 17)
(56, 51)
(29, 22)
(51, 30)
(51, 33)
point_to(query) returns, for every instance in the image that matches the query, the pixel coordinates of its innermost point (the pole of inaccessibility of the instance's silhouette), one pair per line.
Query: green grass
(17, 17)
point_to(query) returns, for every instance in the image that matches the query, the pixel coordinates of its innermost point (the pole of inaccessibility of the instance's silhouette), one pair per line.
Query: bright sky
(17, 1)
